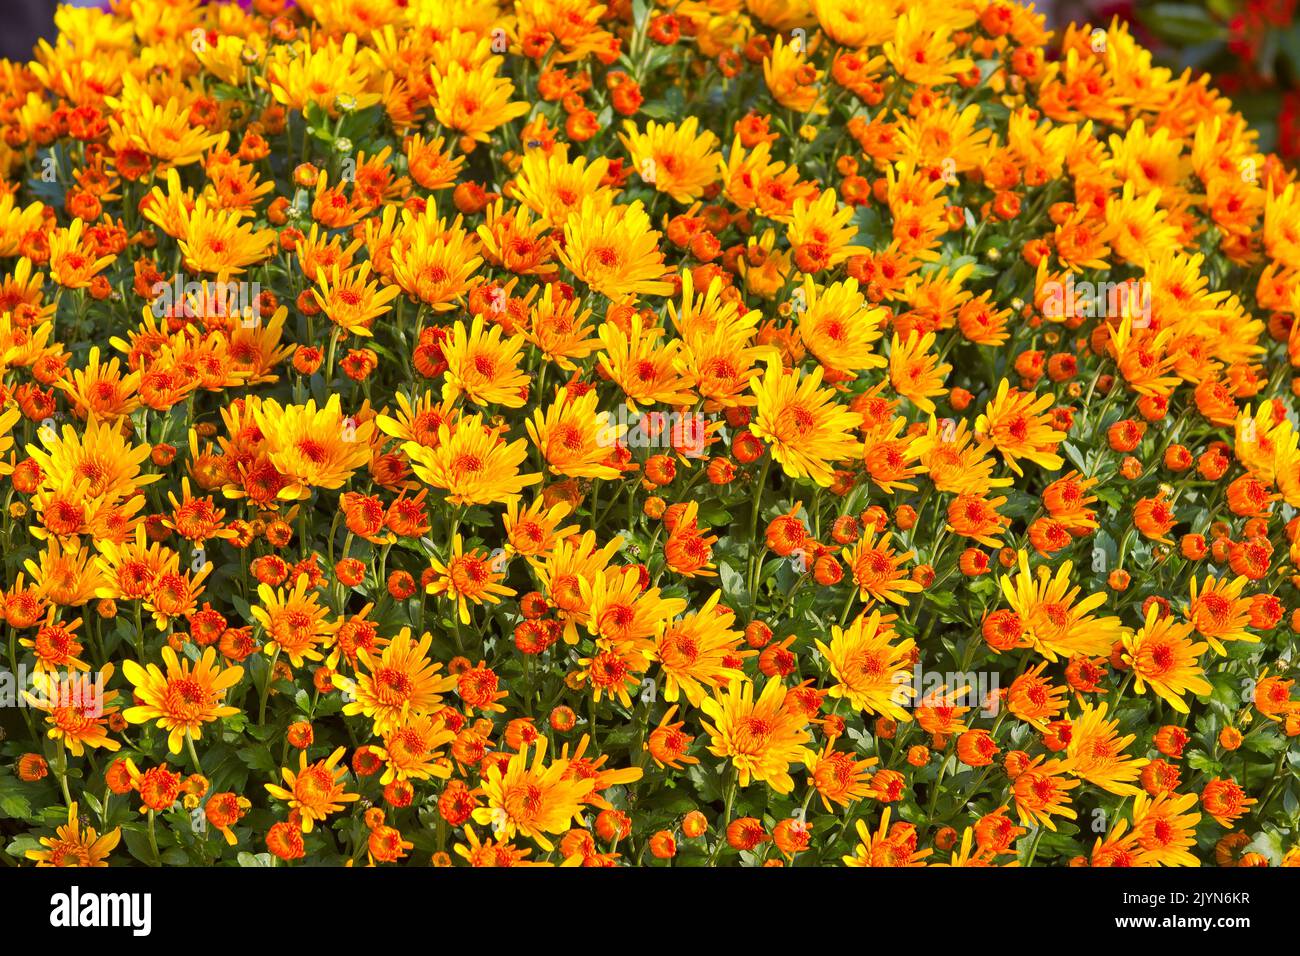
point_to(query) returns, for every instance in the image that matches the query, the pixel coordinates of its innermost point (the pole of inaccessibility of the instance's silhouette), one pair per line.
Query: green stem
(153, 840)
(266, 688)
(189, 744)
(726, 815)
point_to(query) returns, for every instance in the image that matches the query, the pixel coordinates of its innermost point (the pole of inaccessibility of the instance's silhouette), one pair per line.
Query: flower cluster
(725, 432)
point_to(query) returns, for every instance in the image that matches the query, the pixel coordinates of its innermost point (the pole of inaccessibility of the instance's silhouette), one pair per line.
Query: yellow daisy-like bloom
(1165, 830)
(182, 699)
(256, 348)
(1018, 426)
(560, 328)
(644, 365)
(969, 854)
(1056, 622)
(1267, 449)
(944, 137)
(215, 241)
(351, 299)
(316, 790)
(401, 683)
(1041, 792)
(680, 161)
(793, 81)
(1219, 613)
(98, 456)
(412, 750)
(100, 390)
(532, 800)
(1142, 357)
(613, 671)
(849, 23)
(468, 577)
(533, 533)
(878, 570)
(805, 427)
(872, 666)
(839, 777)
(294, 621)
(574, 439)
(8, 419)
(1150, 160)
(837, 325)
(615, 251)
(224, 59)
(720, 363)
(1163, 656)
(433, 261)
(574, 24)
(312, 447)
(956, 460)
(914, 372)
(570, 565)
(1096, 752)
(754, 180)
(513, 240)
(77, 708)
(1143, 230)
(472, 463)
(131, 567)
(72, 846)
(161, 129)
(474, 101)
(483, 366)
(429, 164)
(620, 611)
(1281, 212)
(921, 49)
(498, 853)
(762, 737)
(299, 74)
(823, 231)
(711, 311)
(170, 209)
(16, 222)
(418, 422)
(71, 264)
(880, 849)
(556, 188)
(66, 576)
(693, 653)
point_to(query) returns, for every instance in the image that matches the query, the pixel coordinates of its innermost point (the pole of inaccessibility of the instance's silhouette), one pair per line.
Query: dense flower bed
(726, 432)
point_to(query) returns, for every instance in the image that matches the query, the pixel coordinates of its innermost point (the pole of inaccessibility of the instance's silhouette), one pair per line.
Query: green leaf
(19, 846)
(1265, 743)
(1183, 23)
(15, 805)
(137, 844)
(708, 782)
(1269, 844)
(258, 758)
(1202, 761)
(734, 591)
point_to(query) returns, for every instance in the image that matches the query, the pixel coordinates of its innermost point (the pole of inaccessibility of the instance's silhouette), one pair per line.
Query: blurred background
(1250, 47)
